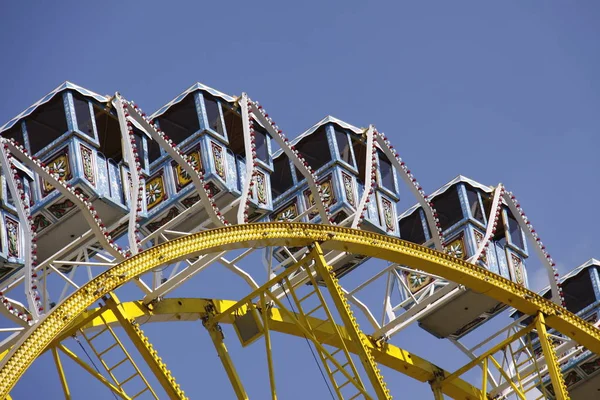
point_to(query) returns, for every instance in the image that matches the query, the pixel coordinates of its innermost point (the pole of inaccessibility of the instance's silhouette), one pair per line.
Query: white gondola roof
(50, 96)
(193, 88)
(312, 129)
(459, 178)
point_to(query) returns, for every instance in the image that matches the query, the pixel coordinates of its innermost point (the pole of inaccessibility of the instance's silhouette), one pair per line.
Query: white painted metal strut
(136, 178)
(422, 201)
(491, 219)
(249, 159)
(547, 263)
(285, 147)
(18, 307)
(419, 310)
(183, 276)
(368, 179)
(26, 229)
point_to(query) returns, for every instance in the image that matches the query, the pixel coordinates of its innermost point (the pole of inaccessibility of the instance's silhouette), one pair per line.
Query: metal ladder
(338, 364)
(126, 359)
(524, 355)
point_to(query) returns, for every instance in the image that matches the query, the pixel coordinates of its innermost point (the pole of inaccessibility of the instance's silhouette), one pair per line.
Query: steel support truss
(274, 319)
(517, 347)
(337, 362)
(330, 238)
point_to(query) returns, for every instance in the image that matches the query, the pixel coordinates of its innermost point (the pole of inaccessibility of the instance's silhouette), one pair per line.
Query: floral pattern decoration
(456, 248)
(58, 165)
(182, 178)
(288, 213)
(416, 281)
(155, 191)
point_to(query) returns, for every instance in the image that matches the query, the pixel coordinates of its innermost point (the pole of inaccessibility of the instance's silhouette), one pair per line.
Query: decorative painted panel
(388, 214)
(12, 236)
(182, 178)
(40, 222)
(261, 188)
(591, 366)
(348, 188)
(456, 248)
(416, 281)
(340, 217)
(87, 161)
(172, 213)
(190, 201)
(59, 164)
(60, 209)
(519, 274)
(287, 213)
(219, 160)
(213, 189)
(155, 190)
(328, 195)
(572, 377)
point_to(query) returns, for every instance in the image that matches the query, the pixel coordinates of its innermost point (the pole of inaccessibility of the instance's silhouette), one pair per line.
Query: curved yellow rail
(34, 342)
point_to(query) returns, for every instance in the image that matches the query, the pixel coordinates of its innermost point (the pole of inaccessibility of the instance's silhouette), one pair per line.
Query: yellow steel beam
(265, 312)
(146, 350)
(217, 337)
(39, 338)
(484, 379)
(61, 374)
(356, 336)
(437, 391)
(517, 391)
(556, 376)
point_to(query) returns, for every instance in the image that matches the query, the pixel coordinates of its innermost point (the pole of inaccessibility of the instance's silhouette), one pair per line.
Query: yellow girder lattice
(190, 309)
(37, 340)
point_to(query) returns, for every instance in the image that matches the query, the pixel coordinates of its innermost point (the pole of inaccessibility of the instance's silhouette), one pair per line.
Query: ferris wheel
(114, 221)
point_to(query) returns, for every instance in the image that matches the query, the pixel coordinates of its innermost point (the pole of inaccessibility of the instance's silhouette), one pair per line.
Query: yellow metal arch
(37, 340)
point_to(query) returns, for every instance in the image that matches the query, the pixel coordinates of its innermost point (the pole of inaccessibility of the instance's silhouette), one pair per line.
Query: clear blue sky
(506, 92)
